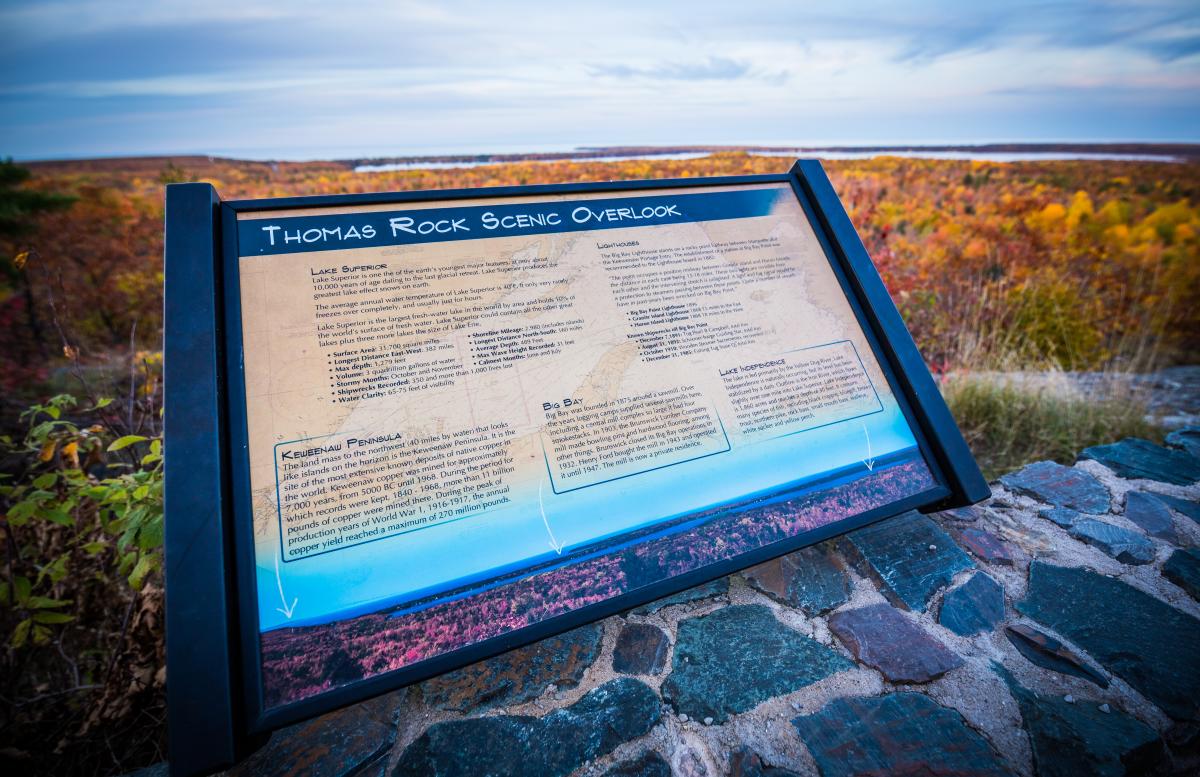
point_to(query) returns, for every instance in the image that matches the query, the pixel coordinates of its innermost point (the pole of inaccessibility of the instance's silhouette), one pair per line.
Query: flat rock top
(900, 733)
(1059, 486)
(976, 605)
(910, 556)
(550, 746)
(1134, 458)
(739, 656)
(1148, 643)
(879, 636)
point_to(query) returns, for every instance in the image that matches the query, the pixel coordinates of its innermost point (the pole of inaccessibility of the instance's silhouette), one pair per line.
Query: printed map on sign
(463, 420)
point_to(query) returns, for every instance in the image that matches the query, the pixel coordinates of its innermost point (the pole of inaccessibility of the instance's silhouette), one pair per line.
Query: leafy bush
(81, 601)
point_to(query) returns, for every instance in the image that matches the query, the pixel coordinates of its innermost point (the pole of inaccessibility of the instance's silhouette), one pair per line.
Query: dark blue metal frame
(204, 712)
(213, 647)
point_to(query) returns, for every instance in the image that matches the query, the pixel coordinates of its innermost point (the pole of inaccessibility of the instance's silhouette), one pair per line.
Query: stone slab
(712, 588)
(1123, 545)
(976, 605)
(1061, 516)
(1151, 514)
(517, 676)
(985, 546)
(1059, 486)
(641, 649)
(879, 636)
(811, 578)
(910, 556)
(1077, 738)
(348, 741)
(744, 762)
(1135, 458)
(1049, 653)
(968, 514)
(1183, 569)
(1186, 507)
(498, 746)
(648, 764)
(897, 734)
(1186, 440)
(731, 660)
(1129, 632)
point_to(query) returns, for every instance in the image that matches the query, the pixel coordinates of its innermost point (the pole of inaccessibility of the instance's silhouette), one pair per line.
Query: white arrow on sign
(869, 461)
(554, 543)
(285, 609)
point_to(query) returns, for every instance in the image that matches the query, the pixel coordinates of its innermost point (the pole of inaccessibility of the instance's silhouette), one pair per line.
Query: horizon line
(1188, 148)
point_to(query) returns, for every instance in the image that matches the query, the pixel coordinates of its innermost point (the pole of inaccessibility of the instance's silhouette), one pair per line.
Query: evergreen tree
(19, 209)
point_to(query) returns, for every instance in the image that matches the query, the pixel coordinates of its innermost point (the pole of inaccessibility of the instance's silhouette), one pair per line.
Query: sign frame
(216, 714)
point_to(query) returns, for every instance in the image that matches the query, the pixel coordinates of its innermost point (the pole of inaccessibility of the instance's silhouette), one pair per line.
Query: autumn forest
(996, 267)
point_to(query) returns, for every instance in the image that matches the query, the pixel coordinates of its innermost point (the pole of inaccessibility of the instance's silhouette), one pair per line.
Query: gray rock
(555, 745)
(743, 762)
(1135, 458)
(1183, 569)
(985, 546)
(968, 514)
(348, 741)
(1182, 506)
(648, 764)
(1049, 653)
(1059, 486)
(910, 556)
(711, 588)
(641, 649)
(1186, 440)
(1131, 633)
(1123, 545)
(519, 675)
(896, 734)
(1150, 513)
(1062, 516)
(811, 579)
(976, 605)
(879, 636)
(731, 660)
(1071, 739)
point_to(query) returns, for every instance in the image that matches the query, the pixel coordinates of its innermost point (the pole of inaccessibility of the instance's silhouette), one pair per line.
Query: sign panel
(464, 420)
(461, 423)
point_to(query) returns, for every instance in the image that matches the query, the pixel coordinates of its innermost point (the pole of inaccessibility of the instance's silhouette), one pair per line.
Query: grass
(1008, 425)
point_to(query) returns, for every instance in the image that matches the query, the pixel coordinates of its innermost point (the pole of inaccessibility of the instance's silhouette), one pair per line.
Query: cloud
(712, 69)
(921, 32)
(1174, 48)
(124, 76)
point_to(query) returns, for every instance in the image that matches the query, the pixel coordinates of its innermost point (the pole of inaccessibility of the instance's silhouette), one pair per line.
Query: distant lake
(990, 156)
(1012, 156)
(457, 165)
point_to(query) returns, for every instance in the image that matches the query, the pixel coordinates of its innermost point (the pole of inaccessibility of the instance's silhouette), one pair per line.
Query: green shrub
(81, 599)
(1055, 324)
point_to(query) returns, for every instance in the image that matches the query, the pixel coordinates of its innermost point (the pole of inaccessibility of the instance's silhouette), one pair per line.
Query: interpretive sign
(425, 428)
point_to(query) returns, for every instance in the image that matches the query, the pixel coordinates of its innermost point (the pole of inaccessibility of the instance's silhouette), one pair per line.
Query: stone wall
(1052, 630)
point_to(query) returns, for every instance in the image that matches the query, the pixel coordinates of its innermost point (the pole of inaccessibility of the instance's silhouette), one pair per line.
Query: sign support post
(202, 709)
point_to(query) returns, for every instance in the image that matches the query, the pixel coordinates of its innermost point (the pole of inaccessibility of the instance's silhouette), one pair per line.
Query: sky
(309, 80)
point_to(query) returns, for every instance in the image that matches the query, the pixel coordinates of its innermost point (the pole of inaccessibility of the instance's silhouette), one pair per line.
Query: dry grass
(1008, 425)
